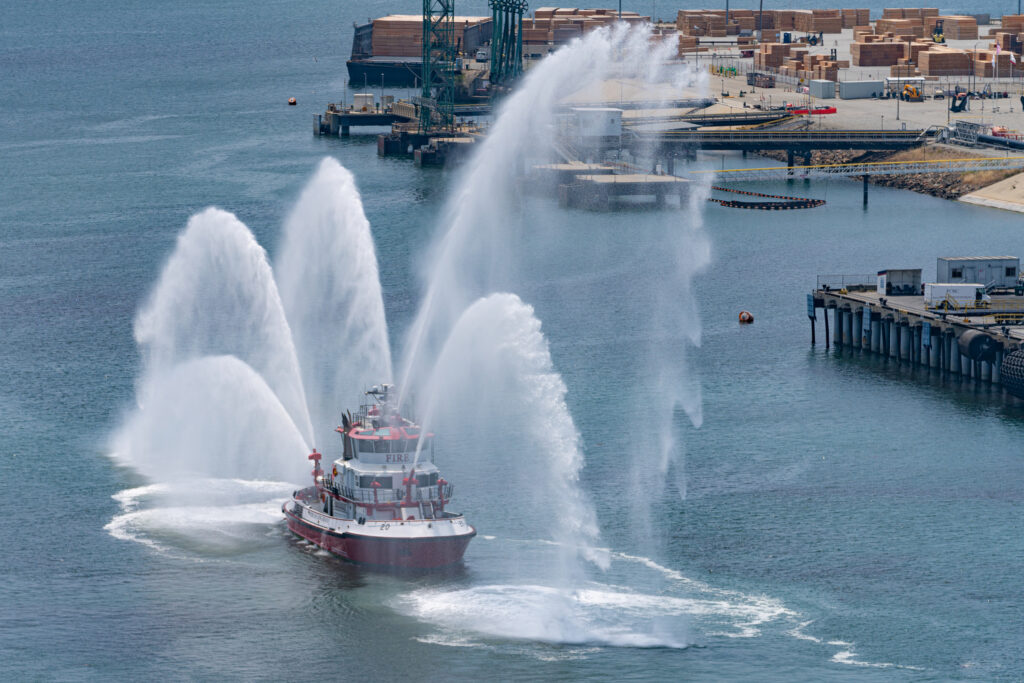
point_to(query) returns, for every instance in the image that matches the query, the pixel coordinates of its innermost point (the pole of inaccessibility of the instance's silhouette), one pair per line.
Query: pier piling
(825, 316)
(966, 342)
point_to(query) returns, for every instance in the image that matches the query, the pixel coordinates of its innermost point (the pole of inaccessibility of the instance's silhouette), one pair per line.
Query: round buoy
(292, 102)
(746, 317)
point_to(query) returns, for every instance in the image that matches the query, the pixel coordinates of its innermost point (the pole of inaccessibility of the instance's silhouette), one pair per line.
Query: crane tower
(437, 104)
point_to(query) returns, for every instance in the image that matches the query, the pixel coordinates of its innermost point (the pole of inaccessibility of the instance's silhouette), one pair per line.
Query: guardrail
(974, 307)
(837, 282)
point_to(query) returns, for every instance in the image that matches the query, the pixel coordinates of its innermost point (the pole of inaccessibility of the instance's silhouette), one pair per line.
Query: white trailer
(955, 295)
(992, 271)
(899, 282)
(596, 125)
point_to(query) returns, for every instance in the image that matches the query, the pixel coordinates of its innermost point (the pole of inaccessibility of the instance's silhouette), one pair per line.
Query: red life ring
(746, 317)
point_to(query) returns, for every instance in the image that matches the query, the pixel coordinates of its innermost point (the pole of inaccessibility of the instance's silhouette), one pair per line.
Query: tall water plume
(221, 418)
(484, 219)
(486, 246)
(519, 446)
(217, 296)
(211, 417)
(330, 286)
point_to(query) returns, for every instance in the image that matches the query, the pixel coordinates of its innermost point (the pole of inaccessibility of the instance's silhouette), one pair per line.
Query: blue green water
(843, 517)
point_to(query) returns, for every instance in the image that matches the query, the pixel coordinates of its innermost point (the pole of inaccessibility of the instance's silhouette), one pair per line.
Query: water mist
(478, 252)
(516, 432)
(490, 359)
(216, 296)
(221, 419)
(327, 274)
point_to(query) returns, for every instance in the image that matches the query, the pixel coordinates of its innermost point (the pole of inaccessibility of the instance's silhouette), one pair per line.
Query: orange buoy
(292, 102)
(746, 317)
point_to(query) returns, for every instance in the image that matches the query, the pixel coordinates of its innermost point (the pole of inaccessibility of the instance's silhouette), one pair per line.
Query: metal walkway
(797, 141)
(867, 169)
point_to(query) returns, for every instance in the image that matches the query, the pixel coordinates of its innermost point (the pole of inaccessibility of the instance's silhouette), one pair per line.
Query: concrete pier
(974, 344)
(600, 191)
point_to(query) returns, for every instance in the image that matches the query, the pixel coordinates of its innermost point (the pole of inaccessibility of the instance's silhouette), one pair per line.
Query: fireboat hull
(400, 553)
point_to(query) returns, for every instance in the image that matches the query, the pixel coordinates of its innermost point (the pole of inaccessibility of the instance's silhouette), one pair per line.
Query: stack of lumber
(855, 17)
(1004, 40)
(705, 21)
(820, 67)
(784, 19)
(916, 48)
(983, 67)
(904, 70)
(826, 21)
(562, 24)
(771, 55)
(958, 27)
(398, 35)
(401, 35)
(818, 21)
(877, 53)
(687, 44)
(701, 23)
(909, 12)
(940, 60)
(1013, 23)
(899, 27)
(536, 33)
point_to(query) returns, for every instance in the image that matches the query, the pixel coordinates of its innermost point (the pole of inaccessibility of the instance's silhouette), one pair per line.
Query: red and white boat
(383, 502)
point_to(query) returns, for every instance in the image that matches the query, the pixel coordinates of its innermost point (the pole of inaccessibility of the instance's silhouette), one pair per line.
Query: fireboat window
(366, 481)
(426, 479)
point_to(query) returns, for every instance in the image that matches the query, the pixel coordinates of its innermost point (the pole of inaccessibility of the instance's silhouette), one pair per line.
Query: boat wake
(178, 519)
(596, 613)
(674, 612)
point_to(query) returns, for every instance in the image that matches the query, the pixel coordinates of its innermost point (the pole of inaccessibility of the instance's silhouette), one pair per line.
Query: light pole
(899, 91)
(883, 121)
(974, 79)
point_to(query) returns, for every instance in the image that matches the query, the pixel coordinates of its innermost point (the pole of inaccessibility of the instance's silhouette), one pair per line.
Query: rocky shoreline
(944, 185)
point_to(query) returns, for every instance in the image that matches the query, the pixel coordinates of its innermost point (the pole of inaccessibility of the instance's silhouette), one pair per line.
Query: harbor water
(812, 514)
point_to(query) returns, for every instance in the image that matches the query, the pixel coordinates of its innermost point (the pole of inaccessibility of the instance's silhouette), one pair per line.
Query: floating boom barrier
(786, 203)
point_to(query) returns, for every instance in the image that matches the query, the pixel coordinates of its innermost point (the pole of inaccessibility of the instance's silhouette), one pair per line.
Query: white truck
(955, 295)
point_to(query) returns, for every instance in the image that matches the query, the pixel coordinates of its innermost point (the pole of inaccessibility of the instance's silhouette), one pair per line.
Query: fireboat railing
(420, 494)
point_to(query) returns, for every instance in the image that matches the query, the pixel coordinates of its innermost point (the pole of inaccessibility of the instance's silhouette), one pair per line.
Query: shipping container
(824, 90)
(857, 90)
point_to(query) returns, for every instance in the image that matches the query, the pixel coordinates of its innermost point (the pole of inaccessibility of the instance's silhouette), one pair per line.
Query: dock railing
(848, 282)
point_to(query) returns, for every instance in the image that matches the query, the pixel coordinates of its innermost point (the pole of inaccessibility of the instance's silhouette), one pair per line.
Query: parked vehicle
(949, 296)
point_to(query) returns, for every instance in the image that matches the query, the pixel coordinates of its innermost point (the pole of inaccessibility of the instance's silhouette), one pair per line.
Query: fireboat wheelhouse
(383, 502)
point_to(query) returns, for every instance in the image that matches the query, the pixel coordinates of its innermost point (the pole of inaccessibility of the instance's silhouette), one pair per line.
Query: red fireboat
(384, 502)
